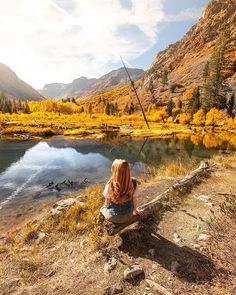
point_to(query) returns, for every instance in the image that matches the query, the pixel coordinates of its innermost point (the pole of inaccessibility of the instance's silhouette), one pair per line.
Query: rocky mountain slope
(84, 87)
(14, 87)
(185, 60)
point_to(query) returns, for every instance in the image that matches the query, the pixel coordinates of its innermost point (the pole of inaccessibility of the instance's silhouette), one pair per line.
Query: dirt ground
(172, 251)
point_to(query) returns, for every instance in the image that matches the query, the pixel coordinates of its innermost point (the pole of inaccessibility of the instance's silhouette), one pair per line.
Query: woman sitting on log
(120, 194)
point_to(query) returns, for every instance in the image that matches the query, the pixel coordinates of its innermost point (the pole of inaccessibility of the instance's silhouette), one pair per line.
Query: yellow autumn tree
(199, 118)
(185, 118)
(216, 117)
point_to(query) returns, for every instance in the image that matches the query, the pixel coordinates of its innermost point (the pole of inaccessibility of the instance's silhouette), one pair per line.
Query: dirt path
(171, 252)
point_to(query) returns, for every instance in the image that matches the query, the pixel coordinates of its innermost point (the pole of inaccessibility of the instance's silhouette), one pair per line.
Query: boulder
(133, 271)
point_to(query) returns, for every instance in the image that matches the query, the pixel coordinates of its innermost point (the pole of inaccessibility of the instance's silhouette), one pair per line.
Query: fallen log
(161, 290)
(155, 204)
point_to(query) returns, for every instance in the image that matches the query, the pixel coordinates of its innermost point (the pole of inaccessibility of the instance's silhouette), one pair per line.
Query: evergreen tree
(206, 71)
(107, 109)
(26, 108)
(170, 106)
(164, 77)
(131, 108)
(214, 88)
(90, 108)
(126, 109)
(195, 103)
(230, 105)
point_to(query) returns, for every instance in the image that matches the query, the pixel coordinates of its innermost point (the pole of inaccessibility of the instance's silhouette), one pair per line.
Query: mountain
(14, 87)
(185, 60)
(85, 87)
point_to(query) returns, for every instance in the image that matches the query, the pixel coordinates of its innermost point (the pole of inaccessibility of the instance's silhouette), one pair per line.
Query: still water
(27, 167)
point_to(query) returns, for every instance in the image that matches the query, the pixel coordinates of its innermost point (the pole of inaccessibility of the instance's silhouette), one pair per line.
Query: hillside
(14, 87)
(185, 60)
(84, 87)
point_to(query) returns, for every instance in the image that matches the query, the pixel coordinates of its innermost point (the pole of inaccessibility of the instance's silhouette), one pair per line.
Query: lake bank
(182, 259)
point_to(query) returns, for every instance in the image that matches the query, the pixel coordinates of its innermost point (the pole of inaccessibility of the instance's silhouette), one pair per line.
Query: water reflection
(44, 163)
(32, 165)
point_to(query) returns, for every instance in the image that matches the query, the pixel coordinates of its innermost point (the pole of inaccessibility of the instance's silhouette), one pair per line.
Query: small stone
(133, 271)
(177, 238)
(203, 237)
(112, 290)
(82, 198)
(196, 246)
(203, 198)
(174, 267)
(110, 265)
(151, 252)
(41, 236)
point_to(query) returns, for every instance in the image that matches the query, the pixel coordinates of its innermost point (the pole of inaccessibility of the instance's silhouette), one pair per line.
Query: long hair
(121, 182)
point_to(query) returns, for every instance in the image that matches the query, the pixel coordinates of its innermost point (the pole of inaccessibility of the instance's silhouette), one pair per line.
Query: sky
(46, 41)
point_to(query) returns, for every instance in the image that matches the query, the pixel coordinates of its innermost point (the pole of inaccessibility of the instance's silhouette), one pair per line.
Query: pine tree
(170, 106)
(206, 71)
(214, 89)
(90, 109)
(107, 109)
(195, 103)
(164, 77)
(131, 108)
(126, 109)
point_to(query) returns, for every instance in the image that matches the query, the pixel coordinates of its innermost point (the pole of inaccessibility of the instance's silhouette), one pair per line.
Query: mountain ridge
(86, 87)
(14, 87)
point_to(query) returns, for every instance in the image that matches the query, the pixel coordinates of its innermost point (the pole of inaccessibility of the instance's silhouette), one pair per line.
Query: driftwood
(161, 290)
(57, 188)
(155, 204)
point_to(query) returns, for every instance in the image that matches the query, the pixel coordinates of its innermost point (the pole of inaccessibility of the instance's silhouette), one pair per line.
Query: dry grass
(173, 169)
(222, 248)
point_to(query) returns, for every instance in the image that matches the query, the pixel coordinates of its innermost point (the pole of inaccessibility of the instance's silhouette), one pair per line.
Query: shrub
(199, 117)
(216, 117)
(185, 118)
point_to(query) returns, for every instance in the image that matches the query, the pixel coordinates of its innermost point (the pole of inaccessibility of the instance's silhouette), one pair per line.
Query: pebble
(110, 265)
(177, 238)
(115, 289)
(174, 267)
(133, 271)
(151, 252)
(203, 237)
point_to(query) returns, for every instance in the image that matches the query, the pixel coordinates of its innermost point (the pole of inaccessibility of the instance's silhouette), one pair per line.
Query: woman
(120, 194)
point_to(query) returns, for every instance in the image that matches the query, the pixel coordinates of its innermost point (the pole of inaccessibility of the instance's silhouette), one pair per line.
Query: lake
(27, 167)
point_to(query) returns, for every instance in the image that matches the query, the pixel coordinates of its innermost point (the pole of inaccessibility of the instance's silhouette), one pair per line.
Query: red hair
(121, 182)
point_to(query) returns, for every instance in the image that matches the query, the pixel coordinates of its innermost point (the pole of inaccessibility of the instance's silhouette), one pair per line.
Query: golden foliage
(188, 94)
(216, 117)
(199, 118)
(185, 118)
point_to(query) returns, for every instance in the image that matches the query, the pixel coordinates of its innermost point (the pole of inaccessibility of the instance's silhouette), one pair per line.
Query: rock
(151, 252)
(82, 198)
(203, 237)
(203, 198)
(196, 246)
(177, 238)
(110, 265)
(41, 236)
(133, 271)
(174, 267)
(62, 205)
(115, 289)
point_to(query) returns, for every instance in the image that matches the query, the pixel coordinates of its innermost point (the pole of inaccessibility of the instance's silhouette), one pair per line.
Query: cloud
(58, 40)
